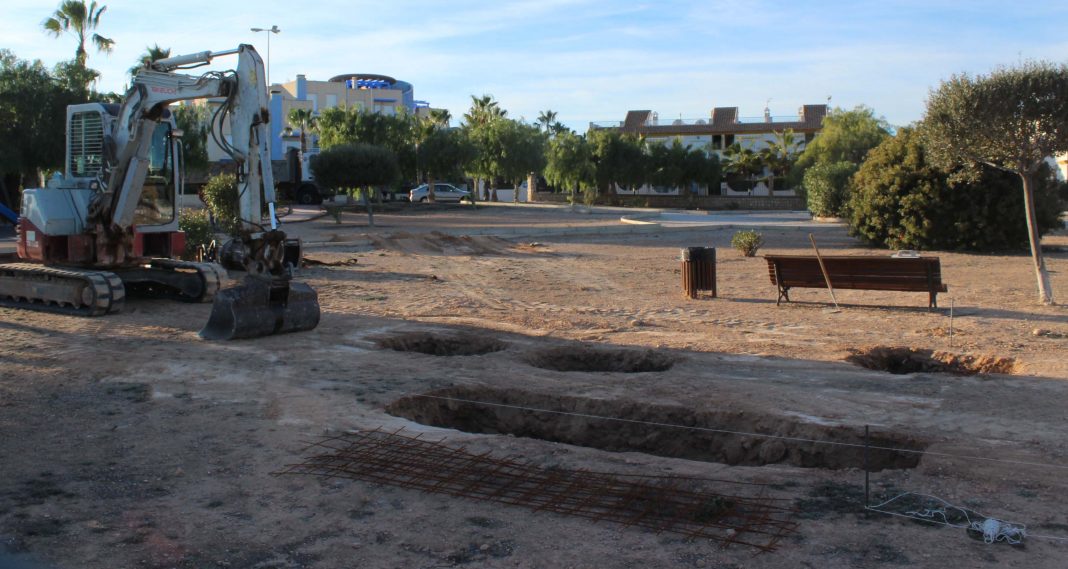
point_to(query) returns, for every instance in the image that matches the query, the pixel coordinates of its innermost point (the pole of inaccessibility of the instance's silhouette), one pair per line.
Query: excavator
(108, 225)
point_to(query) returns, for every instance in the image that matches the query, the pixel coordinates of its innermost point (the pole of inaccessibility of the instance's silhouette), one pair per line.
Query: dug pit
(900, 360)
(441, 344)
(620, 425)
(589, 359)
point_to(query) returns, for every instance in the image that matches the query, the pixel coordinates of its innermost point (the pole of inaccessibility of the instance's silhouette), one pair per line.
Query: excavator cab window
(156, 206)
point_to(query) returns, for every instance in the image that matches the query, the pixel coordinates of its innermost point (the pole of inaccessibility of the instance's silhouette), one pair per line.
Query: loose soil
(128, 442)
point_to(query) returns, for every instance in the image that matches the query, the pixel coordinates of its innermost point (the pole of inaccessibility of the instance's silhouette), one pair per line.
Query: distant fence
(781, 203)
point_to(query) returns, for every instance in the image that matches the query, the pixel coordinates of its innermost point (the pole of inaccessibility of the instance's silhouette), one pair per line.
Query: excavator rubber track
(78, 292)
(171, 279)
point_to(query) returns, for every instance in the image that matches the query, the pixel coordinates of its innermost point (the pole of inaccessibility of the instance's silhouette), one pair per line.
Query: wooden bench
(915, 274)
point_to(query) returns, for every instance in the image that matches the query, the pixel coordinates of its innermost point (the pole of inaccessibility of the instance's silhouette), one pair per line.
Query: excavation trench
(589, 359)
(904, 360)
(728, 437)
(461, 344)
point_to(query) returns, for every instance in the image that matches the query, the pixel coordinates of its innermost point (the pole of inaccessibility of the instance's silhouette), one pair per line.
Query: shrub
(221, 197)
(198, 232)
(748, 242)
(902, 201)
(827, 188)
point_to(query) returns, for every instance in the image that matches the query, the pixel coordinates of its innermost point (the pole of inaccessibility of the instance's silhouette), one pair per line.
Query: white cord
(993, 530)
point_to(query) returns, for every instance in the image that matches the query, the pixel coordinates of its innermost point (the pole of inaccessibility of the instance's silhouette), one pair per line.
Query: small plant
(198, 233)
(220, 196)
(748, 242)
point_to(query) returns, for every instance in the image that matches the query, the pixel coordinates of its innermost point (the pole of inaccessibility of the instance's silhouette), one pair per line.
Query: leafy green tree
(151, 54)
(619, 160)
(845, 136)
(193, 121)
(398, 133)
(569, 164)
(476, 125)
(515, 150)
(827, 188)
(32, 123)
(443, 155)
(1012, 120)
(356, 167)
(902, 200)
(74, 17)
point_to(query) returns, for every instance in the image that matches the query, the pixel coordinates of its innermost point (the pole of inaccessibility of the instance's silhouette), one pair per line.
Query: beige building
(720, 130)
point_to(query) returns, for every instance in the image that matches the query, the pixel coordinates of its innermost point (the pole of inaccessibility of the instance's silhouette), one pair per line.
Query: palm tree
(440, 117)
(780, 155)
(303, 119)
(546, 119)
(743, 162)
(151, 54)
(73, 16)
(483, 110)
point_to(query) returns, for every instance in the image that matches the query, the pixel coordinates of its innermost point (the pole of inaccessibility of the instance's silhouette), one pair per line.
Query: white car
(442, 193)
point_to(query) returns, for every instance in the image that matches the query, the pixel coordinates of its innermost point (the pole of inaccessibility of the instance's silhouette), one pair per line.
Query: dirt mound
(903, 360)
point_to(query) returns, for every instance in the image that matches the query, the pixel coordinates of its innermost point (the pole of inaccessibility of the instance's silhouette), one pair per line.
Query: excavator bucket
(261, 307)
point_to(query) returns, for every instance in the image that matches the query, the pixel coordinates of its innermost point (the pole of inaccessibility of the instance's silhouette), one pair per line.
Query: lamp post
(270, 30)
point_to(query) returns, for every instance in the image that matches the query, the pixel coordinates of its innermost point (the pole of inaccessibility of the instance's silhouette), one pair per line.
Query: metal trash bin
(698, 270)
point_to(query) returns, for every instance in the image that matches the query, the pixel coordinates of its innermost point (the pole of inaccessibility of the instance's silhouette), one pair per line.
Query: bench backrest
(865, 272)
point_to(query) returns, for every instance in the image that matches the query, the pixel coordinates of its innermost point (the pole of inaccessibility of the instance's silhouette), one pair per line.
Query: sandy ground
(128, 442)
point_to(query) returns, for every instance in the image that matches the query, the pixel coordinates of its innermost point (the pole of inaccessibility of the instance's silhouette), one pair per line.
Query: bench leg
(933, 303)
(783, 295)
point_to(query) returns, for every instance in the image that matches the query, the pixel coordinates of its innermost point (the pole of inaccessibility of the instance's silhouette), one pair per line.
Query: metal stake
(867, 469)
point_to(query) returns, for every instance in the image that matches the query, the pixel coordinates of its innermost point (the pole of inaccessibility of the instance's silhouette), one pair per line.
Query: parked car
(442, 193)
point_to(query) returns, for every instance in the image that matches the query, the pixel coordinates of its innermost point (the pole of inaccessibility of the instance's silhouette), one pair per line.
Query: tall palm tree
(743, 162)
(151, 54)
(75, 17)
(780, 155)
(440, 117)
(303, 119)
(483, 110)
(546, 119)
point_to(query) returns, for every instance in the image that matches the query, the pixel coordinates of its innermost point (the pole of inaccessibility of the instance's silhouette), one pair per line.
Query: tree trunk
(515, 192)
(1045, 291)
(369, 206)
(430, 189)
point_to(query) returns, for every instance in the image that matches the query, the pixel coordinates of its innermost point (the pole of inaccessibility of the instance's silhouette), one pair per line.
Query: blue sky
(593, 60)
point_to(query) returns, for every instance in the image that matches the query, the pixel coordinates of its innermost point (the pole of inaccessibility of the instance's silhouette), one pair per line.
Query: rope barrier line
(928, 520)
(760, 435)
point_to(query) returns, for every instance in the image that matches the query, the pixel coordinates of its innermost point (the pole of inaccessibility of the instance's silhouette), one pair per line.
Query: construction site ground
(126, 441)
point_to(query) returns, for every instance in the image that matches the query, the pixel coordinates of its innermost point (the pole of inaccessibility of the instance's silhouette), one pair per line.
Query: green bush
(221, 197)
(827, 188)
(748, 242)
(902, 201)
(198, 232)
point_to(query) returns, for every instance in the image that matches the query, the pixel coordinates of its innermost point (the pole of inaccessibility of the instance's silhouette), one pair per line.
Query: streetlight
(271, 30)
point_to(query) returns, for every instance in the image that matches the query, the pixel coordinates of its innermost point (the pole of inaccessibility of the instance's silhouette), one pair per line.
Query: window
(86, 144)
(156, 205)
(315, 102)
(331, 101)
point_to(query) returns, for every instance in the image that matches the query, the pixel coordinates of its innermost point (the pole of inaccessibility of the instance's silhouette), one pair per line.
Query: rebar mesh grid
(658, 503)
